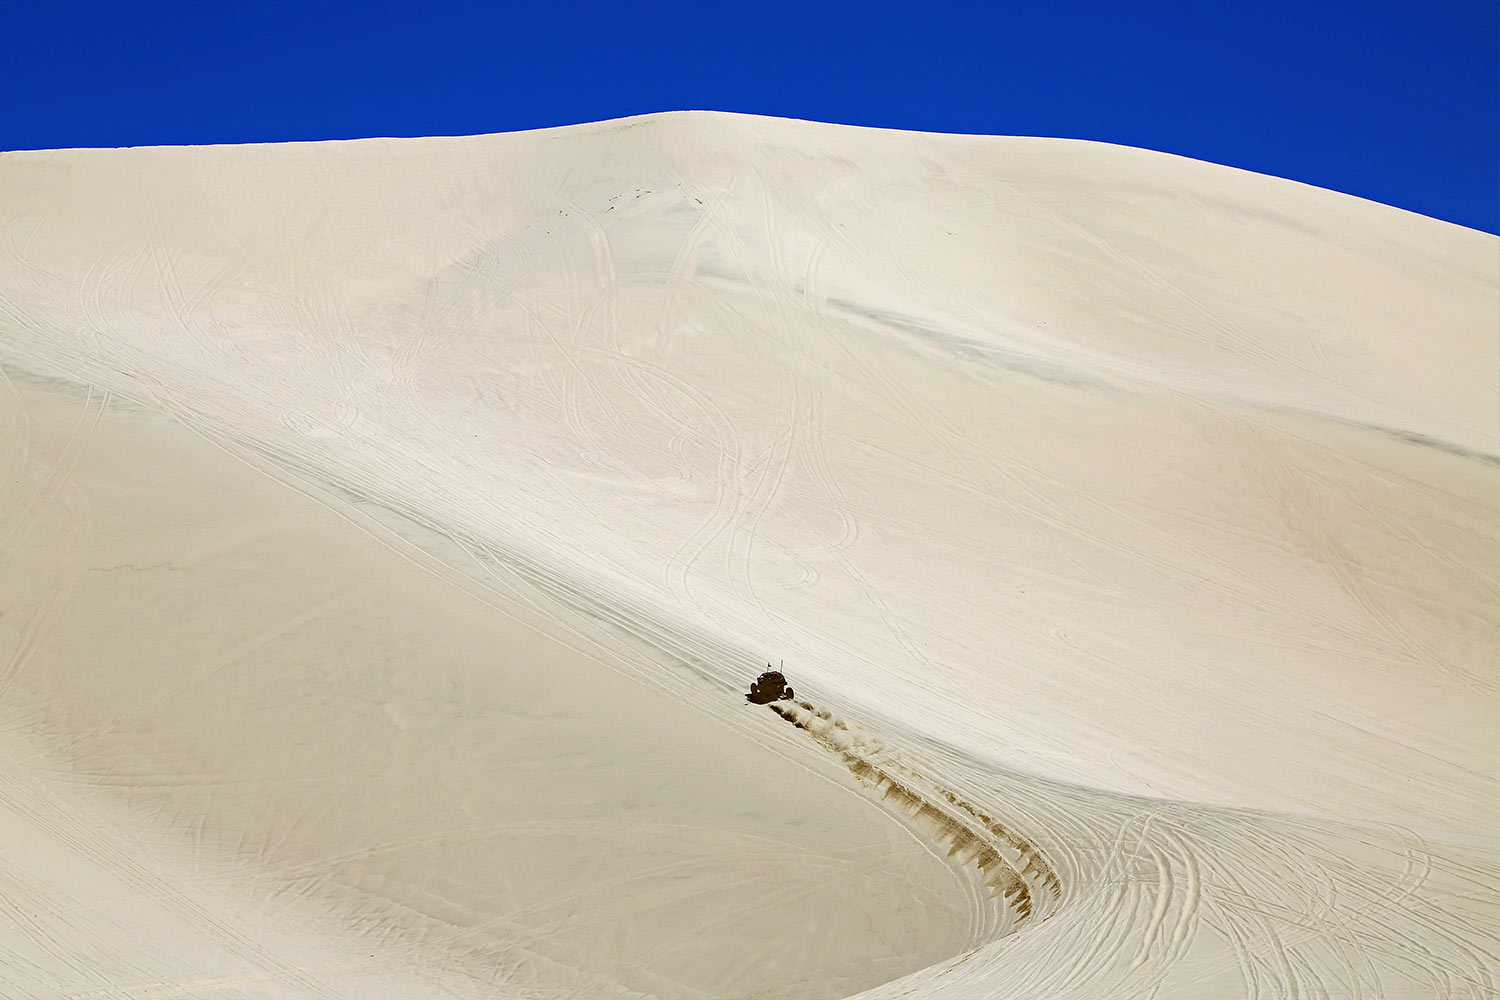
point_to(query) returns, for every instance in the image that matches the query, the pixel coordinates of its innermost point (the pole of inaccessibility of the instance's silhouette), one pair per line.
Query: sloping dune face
(388, 530)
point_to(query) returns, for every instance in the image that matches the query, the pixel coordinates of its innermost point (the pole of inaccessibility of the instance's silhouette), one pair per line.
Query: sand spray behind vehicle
(1013, 866)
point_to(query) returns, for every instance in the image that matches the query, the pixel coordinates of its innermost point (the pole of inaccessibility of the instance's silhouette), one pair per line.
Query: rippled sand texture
(388, 530)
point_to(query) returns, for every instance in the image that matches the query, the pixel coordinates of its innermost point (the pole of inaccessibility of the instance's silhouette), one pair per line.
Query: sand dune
(388, 530)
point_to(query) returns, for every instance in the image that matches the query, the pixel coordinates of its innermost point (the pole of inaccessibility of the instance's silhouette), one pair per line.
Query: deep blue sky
(1394, 101)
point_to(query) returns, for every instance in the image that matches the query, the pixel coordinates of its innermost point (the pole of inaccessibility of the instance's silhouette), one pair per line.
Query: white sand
(387, 529)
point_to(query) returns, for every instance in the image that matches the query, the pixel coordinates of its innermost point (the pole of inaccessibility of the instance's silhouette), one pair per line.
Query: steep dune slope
(1147, 507)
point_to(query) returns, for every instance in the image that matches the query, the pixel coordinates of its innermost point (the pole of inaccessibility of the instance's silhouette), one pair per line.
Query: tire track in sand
(1013, 867)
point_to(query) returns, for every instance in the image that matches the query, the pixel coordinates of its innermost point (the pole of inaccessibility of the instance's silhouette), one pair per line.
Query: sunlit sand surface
(389, 530)
(296, 722)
